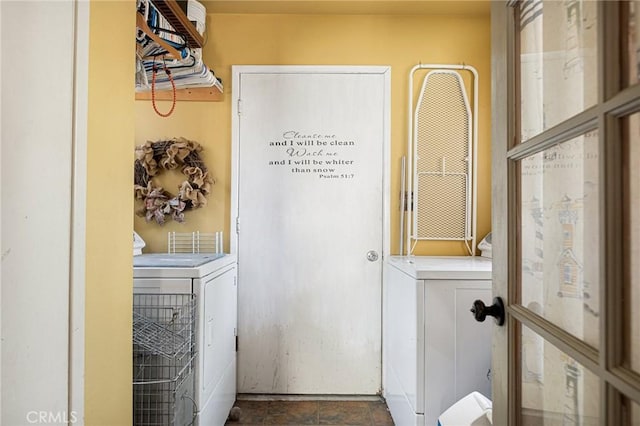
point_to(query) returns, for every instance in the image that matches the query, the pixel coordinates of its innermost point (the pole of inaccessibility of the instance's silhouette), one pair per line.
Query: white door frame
(76, 148)
(78, 213)
(236, 102)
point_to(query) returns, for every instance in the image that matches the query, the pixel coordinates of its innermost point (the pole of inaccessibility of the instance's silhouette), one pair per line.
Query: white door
(43, 202)
(309, 182)
(566, 196)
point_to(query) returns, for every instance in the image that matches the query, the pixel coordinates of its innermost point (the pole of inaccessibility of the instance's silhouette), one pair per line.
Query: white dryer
(434, 352)
(213, 279)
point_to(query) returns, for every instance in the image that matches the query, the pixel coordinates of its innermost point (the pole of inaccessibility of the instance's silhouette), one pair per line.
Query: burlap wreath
(154, 157)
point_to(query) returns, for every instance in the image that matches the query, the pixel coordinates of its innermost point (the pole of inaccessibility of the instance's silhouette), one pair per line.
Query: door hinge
(237, 225)
(408, 201)
(239, 106)
(235, 333)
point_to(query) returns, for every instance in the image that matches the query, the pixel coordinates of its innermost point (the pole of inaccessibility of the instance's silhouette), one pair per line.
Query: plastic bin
(472, 410)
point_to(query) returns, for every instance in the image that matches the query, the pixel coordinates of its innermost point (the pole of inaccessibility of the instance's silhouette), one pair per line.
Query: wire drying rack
(195, 242)
(163, 359)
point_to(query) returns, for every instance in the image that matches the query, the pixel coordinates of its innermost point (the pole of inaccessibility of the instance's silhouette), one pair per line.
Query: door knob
(372, 255)
(480, 310)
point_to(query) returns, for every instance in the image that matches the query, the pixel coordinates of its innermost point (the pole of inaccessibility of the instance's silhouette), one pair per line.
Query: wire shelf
(163, 359)
(164, 324)
(195, 242)
(157, 338)
(158, 401)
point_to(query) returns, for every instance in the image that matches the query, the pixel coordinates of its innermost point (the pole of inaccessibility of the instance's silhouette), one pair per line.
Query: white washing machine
(213, 279)
(434, 352)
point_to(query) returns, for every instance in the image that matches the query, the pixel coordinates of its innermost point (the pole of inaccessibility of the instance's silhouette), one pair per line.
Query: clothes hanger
(142, 24)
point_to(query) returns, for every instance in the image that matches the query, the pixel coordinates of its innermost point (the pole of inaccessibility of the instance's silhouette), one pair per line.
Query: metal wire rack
(163, 359)
(195, 242)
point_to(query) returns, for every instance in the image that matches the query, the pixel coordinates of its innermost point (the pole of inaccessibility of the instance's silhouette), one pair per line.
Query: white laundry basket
(472, 410)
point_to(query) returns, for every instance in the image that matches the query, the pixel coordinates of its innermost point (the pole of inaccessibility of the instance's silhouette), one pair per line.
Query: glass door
(566, 159)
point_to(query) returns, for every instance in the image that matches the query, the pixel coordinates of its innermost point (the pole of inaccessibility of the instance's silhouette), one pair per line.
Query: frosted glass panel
(635, 414)
(558, 62)
(559, 237)
(632, 10)
(631, 126)
(556, 390)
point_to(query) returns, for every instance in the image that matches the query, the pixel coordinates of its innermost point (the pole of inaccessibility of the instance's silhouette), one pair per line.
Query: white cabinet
(435, 352)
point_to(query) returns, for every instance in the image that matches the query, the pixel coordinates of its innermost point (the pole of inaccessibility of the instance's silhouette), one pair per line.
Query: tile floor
(336, 413)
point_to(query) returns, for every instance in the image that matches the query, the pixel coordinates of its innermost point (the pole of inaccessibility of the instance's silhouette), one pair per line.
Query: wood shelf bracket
(201, 94)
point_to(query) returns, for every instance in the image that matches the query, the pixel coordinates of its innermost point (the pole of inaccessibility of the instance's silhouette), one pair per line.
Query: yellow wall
(114, 119)
(271, 39)
(108, 396)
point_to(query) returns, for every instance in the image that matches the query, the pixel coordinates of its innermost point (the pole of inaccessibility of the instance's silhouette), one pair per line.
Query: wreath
(154, 157)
